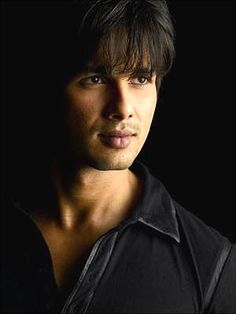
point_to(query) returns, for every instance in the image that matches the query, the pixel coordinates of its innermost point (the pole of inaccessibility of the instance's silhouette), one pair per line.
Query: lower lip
(116, 141)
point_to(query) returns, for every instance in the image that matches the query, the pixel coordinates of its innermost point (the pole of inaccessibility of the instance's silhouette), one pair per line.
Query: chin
(104, 164)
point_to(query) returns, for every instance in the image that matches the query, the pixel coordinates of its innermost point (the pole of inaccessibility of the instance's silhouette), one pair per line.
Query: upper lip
(117, 133)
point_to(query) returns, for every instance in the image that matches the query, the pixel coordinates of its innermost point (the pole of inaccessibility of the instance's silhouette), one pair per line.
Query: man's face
(108, 117)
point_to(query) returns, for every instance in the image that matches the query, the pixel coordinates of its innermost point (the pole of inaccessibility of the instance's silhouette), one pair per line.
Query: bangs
(125, 36)
(122, 52)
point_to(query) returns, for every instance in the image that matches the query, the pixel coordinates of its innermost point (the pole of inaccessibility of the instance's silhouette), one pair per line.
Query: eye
(140, 80)
(92, 80)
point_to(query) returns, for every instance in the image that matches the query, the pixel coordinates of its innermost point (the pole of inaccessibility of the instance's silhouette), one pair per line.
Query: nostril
(116, 116)
(119, 116)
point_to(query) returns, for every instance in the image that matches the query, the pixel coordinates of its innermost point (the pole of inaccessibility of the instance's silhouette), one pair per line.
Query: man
(107, 237)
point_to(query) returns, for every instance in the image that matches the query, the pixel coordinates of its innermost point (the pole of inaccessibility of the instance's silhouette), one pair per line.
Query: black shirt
(161, 260)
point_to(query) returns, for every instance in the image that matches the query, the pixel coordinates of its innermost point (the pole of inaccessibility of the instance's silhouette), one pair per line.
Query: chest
(69, 252)
(136, 276)
(129, 273)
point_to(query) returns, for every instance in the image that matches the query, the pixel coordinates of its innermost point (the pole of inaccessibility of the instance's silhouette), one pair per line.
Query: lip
(117, 139)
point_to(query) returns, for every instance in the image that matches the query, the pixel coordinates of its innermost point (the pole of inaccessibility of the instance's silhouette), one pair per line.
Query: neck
(94, 197)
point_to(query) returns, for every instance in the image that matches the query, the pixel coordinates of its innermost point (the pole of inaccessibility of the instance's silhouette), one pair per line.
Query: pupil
(95, 79)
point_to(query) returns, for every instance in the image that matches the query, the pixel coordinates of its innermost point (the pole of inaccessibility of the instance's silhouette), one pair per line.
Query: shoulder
(211, 254)
(197, 231)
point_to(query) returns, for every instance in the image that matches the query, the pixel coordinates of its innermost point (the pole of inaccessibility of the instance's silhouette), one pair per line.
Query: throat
(100, 203)
(71, 233)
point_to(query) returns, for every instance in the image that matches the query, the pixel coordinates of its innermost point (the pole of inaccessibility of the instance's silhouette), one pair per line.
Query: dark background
(192, 144)
(191, 147)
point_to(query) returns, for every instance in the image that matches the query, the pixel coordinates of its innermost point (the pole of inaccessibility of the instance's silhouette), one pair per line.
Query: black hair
(63, 38)
(130, 34)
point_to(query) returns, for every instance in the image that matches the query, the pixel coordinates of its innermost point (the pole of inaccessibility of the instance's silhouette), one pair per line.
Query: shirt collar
(156, 209)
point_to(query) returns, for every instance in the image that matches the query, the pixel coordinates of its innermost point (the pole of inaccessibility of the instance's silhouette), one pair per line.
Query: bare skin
(108, 118)
(84, 217)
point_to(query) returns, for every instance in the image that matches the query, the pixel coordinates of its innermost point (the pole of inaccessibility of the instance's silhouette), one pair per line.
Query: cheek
(147, 108)
(81, 108)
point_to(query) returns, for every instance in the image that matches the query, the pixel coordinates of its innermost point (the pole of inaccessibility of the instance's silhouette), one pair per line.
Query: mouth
(117, 139)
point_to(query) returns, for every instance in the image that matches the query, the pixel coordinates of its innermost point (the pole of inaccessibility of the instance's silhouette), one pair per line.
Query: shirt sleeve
(224, 297)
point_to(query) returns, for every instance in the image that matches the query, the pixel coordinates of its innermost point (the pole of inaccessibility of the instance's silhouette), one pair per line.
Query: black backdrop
(191, 147)
(192, 143)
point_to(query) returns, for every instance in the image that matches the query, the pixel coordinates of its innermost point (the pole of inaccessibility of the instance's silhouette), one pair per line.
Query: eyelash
(103, 80)
(148, 79)
(85, 80)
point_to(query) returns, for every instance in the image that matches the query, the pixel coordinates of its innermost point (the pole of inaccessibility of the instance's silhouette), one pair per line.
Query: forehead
(114, 55)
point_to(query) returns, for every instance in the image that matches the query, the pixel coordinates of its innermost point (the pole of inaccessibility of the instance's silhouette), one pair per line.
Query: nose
(120, 104)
